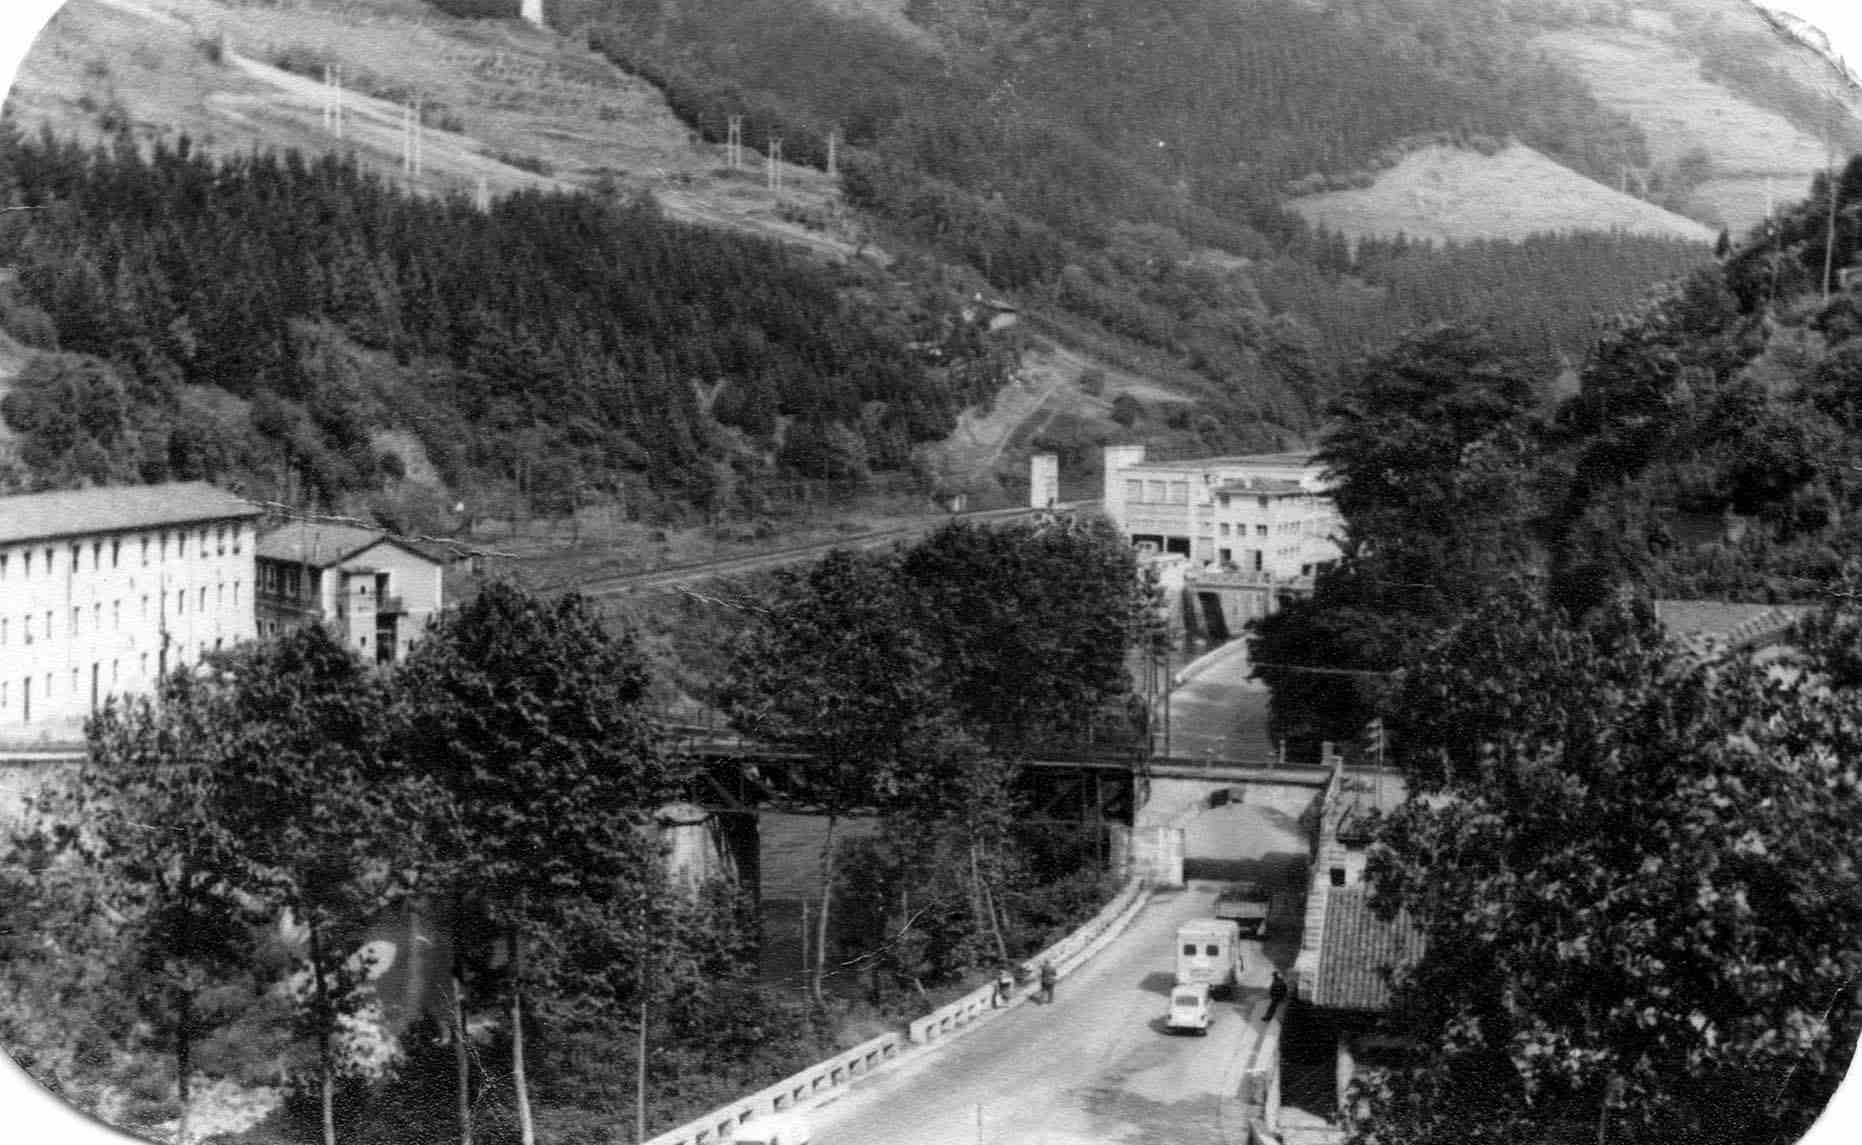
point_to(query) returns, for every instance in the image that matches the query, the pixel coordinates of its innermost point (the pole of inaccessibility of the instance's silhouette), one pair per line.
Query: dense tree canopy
(1635, 869)
(323, 304)
(1031, 624)
(1633, 861)
(916, 680)
(1432, 452)
(526, 716)
(329, 820)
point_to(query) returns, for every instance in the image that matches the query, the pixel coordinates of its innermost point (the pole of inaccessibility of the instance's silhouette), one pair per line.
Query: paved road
(1096, 1067)
(1219, 713)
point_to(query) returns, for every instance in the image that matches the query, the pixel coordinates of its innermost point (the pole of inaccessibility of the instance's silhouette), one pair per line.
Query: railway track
(627, 584)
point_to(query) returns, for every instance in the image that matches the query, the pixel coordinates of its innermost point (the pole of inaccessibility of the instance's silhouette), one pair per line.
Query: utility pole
(336, 99)
(805, 962)
(640, 1045)
(1829, 235)
(1170, 686)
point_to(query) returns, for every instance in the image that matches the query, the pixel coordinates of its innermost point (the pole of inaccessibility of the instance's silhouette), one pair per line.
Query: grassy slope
(507, 90)
(1757, 155)
(1446, 193)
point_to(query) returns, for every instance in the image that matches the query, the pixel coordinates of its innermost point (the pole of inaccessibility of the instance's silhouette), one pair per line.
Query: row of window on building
(153, 549)
(1157, 492)
(289, 580)
(25, 629)
(99, 685)
(1306, 528)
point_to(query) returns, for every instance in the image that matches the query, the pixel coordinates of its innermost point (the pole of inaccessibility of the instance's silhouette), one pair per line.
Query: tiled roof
(80, 512)
(1359, 951)
(316, 545)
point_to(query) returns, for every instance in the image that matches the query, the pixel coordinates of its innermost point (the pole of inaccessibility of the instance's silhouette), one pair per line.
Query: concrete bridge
(1097, 1065)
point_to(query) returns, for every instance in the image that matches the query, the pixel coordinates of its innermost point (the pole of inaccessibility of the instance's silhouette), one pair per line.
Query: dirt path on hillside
(1046, 389)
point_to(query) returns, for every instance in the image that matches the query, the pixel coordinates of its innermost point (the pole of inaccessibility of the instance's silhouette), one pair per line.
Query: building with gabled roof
(105, 591)
(1348, 953)
(1359, 952)
(373, 590)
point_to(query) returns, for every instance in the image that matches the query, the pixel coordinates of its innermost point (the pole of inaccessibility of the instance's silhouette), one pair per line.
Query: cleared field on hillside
(1450, 194)
(507, 103)
(1756, 154)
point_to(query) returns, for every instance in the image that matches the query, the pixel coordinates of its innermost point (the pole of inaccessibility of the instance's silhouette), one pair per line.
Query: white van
(1209, 951)
(783, 1127)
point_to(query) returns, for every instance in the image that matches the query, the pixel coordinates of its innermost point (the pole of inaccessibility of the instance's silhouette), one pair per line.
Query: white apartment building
(104, 591)
(1267, 514)
(374, 592)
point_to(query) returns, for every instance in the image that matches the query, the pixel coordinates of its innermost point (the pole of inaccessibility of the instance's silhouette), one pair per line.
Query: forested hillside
(1626, 848)
(255, 320)
(1118, 174)
(1080, 153)
(1708, 452)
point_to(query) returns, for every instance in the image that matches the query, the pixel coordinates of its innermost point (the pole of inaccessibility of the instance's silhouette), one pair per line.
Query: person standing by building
(1276, 996)
(1048, 977)
(1005, 985)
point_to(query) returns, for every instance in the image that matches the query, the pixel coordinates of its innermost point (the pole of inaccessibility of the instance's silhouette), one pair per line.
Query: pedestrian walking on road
(1276, 995)
(1005, 986)
(1047, 982)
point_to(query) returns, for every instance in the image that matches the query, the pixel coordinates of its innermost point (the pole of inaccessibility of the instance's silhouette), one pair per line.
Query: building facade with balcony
(1255, 530)
(374, 592)
(105, 591)
(1269, 514)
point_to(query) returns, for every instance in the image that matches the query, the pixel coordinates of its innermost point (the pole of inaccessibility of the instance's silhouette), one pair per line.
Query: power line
(457, 546)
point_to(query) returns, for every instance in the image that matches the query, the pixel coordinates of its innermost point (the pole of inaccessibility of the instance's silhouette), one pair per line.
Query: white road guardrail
(822, 1079)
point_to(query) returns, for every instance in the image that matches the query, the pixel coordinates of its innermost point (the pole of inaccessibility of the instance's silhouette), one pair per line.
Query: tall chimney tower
(1043, 481)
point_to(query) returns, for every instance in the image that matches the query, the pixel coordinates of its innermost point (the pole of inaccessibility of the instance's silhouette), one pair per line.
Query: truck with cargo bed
(1245, 904)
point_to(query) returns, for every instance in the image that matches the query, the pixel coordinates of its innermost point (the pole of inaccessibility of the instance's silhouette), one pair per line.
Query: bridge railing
(1065, 955)
(718, 1126)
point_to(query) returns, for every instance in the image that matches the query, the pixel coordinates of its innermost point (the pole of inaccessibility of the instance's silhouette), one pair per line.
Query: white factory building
(103, 591)
(1268, 514)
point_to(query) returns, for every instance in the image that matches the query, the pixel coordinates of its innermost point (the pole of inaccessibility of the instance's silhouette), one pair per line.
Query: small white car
(784, 1127)
(1190, 1008)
